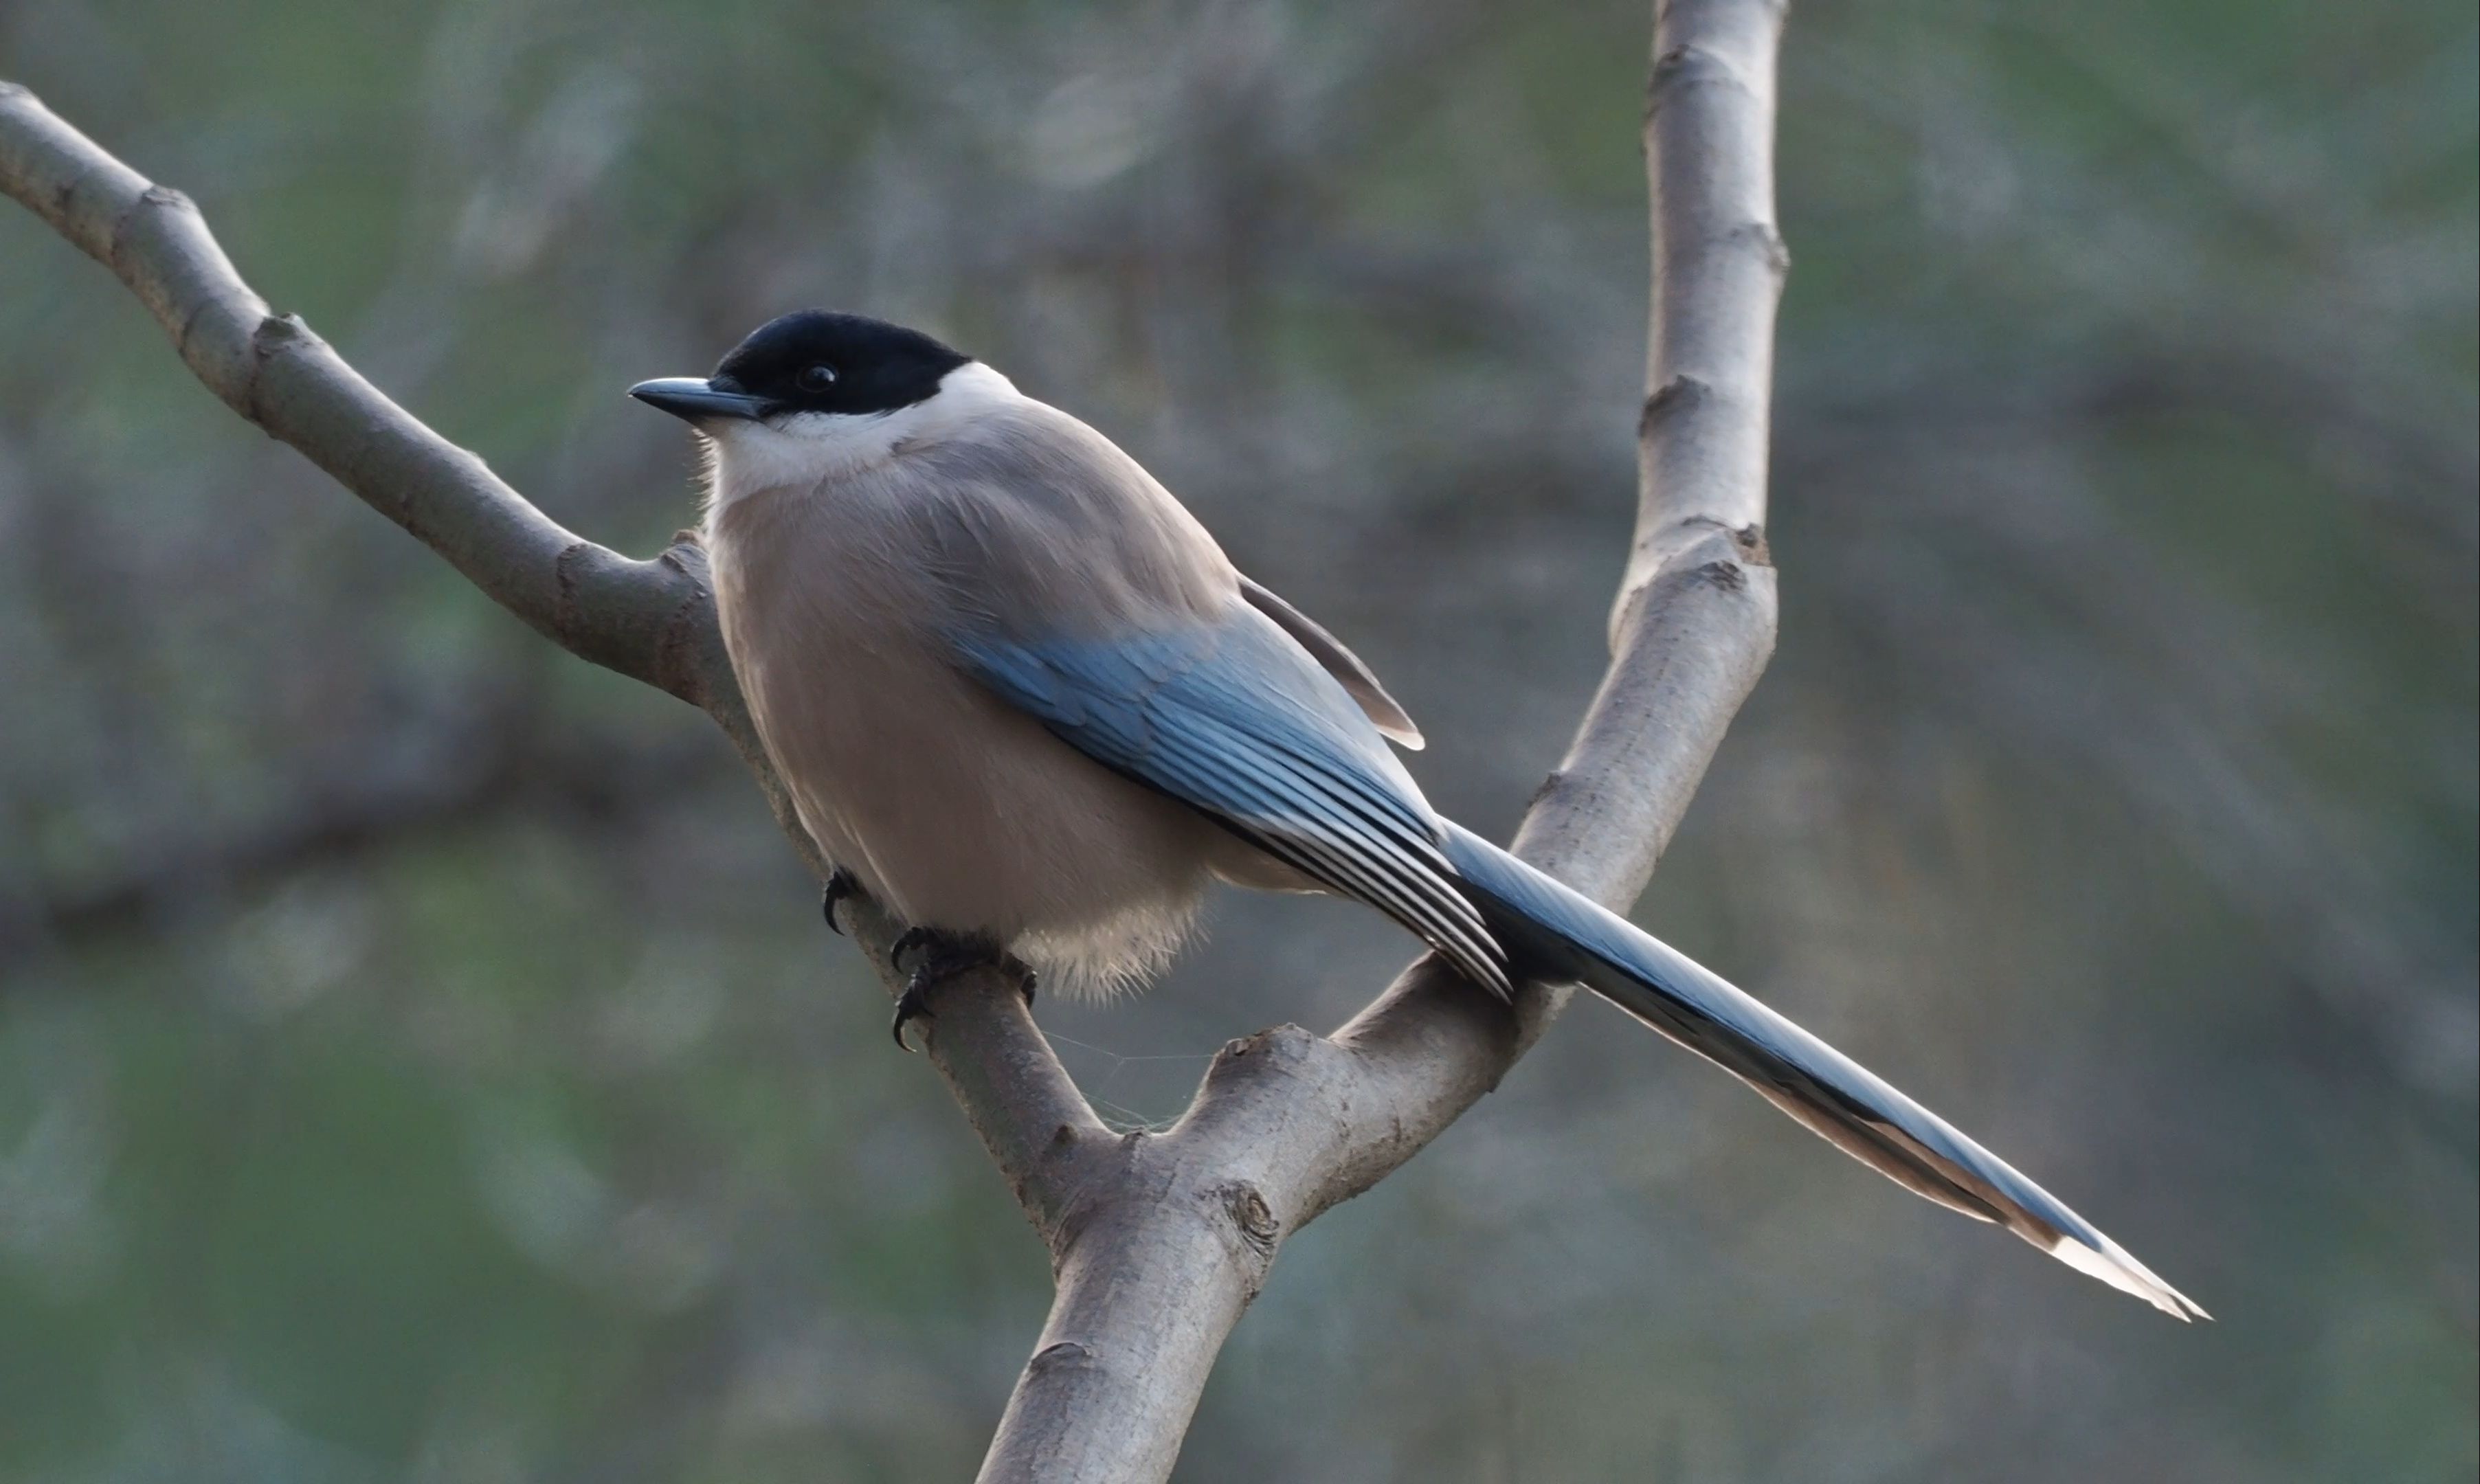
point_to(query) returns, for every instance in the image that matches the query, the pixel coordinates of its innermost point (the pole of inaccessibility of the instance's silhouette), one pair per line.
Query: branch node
(1280, 1047)
(563, 611)
(1681, 394)
(1689, 66)
(1059, 1354)
(1684, 535)
(190, 319)
(280, 333)
(274, 335)
(1729, 576)
(1255, 1221)
(119, 239)
(1767, 240)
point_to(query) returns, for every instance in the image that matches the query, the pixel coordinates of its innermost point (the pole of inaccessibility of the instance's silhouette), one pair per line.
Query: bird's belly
(959, 812)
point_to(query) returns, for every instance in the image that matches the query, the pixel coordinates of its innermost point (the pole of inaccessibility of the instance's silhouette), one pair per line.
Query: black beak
(697, 400)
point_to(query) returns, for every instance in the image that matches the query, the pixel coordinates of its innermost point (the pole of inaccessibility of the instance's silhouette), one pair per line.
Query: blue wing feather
(1236, 719)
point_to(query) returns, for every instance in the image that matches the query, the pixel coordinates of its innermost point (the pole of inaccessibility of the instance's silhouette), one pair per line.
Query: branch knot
(1254, 1217)
(1768, 242)
(1680, 395)
(1059, 1354)
(1689, 66)
(275, 335)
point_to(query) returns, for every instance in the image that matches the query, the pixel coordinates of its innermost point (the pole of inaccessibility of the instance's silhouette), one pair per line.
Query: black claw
(840, 885)
(912, 939)
(943, 955)
(910, 1007)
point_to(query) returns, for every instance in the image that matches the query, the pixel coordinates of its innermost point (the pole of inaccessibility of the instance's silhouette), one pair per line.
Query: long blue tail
(1557, 934)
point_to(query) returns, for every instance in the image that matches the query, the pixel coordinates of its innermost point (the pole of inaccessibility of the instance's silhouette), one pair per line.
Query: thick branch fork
(1158, 1241)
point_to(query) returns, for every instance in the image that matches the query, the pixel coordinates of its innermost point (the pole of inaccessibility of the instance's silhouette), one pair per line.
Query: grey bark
(1158, 1241)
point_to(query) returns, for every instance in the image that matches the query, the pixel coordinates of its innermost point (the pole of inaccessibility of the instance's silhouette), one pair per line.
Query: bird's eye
(815, 378)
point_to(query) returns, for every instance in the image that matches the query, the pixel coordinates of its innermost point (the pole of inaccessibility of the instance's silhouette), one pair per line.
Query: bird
(1020, 696)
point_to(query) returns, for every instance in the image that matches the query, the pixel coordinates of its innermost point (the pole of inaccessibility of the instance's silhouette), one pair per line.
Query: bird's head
(813, 395)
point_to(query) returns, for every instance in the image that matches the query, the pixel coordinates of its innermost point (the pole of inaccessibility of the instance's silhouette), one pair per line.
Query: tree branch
(652, 620)
(1158, 1241)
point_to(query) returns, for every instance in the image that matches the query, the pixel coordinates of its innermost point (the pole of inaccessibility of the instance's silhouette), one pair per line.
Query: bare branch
(652, 620)
(1159, 1241)
(633, 617)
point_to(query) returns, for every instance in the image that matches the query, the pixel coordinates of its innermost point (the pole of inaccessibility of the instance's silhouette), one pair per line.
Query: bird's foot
(942, 956)
(840, 883)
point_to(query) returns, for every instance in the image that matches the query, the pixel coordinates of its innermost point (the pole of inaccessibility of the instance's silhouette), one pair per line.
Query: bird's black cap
(813, 361)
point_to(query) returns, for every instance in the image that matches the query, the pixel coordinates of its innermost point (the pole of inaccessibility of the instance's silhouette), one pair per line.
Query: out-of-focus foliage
(419, 1058)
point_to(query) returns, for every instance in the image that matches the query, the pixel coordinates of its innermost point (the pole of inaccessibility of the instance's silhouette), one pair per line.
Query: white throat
(802, 450)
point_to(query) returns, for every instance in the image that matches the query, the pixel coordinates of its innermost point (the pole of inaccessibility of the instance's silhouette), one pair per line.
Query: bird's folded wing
(1236, 719)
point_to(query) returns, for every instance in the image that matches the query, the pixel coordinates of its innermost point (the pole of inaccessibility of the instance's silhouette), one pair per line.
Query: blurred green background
(419, 1056)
